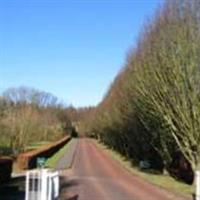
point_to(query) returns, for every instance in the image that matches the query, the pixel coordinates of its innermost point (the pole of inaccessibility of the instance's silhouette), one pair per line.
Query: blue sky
(71, 48)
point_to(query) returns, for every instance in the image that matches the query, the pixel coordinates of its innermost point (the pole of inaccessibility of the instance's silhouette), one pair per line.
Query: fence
(42, 184)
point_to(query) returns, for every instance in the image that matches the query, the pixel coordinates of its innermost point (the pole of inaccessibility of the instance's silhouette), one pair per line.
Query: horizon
(72, 49)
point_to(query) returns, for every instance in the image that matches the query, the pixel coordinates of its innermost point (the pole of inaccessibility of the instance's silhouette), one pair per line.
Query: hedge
(28, 160)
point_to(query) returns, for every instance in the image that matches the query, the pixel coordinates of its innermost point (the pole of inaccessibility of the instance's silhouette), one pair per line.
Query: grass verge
(52, 161)
(163, 180)
(37, 145)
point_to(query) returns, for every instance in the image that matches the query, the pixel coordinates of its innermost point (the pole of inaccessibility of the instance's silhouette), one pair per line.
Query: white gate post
(44, 176)
(42, 184)
(49, 188)
(27, 186)
(39, 184)
(197, 185)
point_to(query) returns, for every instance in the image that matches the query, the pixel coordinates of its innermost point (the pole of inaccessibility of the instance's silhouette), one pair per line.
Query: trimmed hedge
(5, 169)
(28, 160)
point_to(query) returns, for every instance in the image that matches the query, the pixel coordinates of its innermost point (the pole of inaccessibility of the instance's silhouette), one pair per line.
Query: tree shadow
(66, 184)
(13, 190)
(73, 198)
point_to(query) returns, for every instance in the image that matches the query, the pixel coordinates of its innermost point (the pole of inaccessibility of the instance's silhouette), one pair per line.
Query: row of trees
(28, 116)
(152, 109)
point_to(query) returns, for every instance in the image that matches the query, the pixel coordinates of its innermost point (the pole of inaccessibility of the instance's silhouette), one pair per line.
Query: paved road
(95, 176)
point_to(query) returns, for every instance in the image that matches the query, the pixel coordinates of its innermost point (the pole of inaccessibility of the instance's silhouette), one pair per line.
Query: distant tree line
(152, 109)
(27, 116)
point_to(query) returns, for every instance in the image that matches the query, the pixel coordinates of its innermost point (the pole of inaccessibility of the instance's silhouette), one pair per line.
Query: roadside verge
(163, 181)
(63, 159)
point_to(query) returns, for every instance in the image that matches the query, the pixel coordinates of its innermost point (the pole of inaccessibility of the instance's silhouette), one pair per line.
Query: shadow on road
(13, 190)
(72, 198)
(68, 184)
(65, 184)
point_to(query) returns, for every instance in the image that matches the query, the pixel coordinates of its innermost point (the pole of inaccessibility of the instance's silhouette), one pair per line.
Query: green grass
(5, 150)
(36, 145)
(52, 161)
(163, 180)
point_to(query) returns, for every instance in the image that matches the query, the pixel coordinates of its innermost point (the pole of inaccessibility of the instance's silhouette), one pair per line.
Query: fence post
(50, 188)
(197, 185)
(39, 184)
(27, 186)
(56, 185)
(44, 176)
(42, 184)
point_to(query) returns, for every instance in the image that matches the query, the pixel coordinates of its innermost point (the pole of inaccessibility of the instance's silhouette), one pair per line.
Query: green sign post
(41, 162)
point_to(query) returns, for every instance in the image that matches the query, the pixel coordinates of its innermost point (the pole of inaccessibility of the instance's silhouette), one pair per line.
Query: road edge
(110, 153)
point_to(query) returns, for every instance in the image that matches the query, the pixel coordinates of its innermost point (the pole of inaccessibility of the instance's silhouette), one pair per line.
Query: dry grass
(163, 181)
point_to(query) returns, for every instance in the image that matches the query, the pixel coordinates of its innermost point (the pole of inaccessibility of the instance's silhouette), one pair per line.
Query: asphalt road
(96, 176)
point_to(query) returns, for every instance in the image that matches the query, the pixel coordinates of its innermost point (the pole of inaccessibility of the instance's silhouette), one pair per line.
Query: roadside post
(41, 162)
(197, 196)
(42, 184)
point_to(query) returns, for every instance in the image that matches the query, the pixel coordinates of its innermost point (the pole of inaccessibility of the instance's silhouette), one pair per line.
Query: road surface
(96, 176)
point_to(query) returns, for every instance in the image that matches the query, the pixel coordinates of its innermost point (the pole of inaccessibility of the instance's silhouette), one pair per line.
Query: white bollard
(42, 184)
(55, 183)
(197, 185)
(27, 186)
(39, 184)
(49, 188)
(44, 177)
